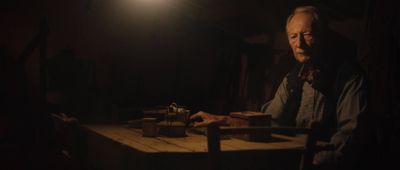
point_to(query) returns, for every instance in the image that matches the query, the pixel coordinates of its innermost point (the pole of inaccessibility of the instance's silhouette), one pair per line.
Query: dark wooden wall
(137, 54)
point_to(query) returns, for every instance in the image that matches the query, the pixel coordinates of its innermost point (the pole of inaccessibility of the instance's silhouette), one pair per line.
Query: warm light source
(147, 6)
(152, 1)
(144, 14)
(149, 2)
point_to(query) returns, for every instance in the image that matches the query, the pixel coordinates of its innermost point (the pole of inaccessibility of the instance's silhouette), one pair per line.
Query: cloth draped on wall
(380, 52)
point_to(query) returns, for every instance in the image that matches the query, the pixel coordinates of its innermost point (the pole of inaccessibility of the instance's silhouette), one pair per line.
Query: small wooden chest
(250, 119)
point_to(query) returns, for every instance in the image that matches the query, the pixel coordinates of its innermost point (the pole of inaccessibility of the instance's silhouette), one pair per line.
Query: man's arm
(277, 104)
(350, 105)
(203, 119)
(275, 108)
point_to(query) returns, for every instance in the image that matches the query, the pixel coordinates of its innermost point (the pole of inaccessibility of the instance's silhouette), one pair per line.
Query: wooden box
(250, 119)
(158, 112)
(172, 129)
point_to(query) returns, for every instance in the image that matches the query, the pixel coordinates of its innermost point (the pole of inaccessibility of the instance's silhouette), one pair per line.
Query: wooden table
(120, 147)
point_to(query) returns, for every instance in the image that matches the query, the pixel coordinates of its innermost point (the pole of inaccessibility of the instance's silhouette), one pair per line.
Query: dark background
(105, 60)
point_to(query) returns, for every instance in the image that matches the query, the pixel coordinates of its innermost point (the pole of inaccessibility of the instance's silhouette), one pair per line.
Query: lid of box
(248, 115)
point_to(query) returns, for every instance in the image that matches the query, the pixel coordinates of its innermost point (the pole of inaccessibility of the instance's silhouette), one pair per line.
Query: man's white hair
(306, 9)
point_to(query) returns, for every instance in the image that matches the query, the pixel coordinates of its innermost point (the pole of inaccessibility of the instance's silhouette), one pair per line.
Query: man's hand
(207, 118)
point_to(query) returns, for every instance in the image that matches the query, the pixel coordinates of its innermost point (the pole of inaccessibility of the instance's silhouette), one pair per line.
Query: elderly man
(323, 86)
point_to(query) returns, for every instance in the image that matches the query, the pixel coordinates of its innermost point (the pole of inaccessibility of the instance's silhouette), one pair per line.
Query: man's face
(302, 38)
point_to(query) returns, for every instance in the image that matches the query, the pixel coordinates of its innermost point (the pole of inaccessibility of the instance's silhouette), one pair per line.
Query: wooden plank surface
(193, 143)
(133, 139)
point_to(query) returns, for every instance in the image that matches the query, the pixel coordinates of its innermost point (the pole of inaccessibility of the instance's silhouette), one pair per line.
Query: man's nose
(300, 42)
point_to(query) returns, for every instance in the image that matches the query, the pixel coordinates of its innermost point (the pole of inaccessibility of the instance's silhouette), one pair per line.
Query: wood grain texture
(123, 148)
(191, 143)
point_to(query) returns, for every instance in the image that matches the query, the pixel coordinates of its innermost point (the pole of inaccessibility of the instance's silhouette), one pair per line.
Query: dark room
(199, 84)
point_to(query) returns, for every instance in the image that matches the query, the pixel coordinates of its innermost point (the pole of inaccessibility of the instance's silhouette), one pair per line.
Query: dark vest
(330, 82)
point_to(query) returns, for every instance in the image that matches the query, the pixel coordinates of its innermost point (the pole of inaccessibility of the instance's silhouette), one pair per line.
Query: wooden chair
(68, 139)
(214, 132)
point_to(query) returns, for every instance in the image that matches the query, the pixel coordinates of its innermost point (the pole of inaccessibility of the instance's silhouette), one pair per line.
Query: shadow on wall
(70, 85)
